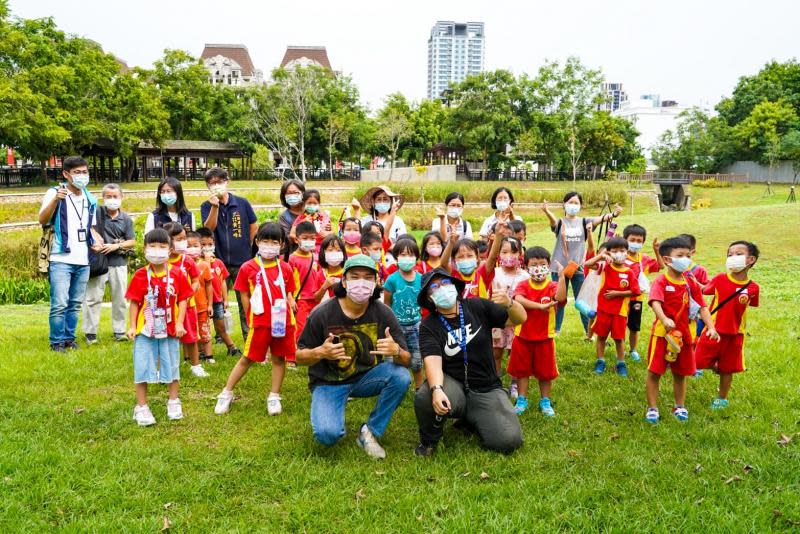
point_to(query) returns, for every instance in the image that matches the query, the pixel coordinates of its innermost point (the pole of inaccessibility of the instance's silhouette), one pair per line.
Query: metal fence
(521, 175)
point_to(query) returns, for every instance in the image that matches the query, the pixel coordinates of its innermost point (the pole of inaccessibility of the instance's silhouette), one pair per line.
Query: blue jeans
(67, 289)
(387, 381)
(577, 281)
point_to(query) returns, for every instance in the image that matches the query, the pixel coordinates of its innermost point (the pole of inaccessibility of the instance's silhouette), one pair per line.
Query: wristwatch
(437, 386)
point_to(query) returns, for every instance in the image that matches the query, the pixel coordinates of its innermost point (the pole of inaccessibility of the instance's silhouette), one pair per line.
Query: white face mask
(572, 209)
(454, 213)
(219, 190)
(334, 258)
(502, 205)
(268, 252)
(208, 250)
(180, 246)
(80, 180)
(737, 263)
(156, 256)
(112, 203)
(308, 245)
(618, 257)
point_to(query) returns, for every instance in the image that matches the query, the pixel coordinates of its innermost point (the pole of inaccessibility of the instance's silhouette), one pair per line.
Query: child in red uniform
(263, 283)
(187, 266)
(619, 283)
(219, 274)
(331, 263)
(430, 253)
(467, 265)
(372, 246)
(533, 351)
(158, 295)
(306, 274)
(202, 297)
(311, 213)
(642, 265)
(733, 292)
(700, 275)
(670, 339)
(351, 235)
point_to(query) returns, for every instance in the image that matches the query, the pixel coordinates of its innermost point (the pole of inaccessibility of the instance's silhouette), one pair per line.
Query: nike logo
(453, 346)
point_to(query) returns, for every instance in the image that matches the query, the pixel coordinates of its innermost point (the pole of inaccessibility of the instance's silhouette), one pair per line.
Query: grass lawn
(71, 457)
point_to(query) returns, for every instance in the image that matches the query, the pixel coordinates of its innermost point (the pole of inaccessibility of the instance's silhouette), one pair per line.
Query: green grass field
(71, 457)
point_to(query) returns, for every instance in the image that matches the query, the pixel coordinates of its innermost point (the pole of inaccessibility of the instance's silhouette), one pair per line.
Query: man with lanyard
(462, 380)
(234, 224)
(70, 209)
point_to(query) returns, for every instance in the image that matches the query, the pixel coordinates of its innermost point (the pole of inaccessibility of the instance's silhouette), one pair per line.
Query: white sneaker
(370, 445)
(143, 416)
(513, 391)
(224, 401)
(174, 409)
(198, 371)
(274, 404)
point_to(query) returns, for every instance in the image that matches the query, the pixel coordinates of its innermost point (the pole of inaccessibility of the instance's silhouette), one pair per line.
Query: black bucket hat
(422, 298)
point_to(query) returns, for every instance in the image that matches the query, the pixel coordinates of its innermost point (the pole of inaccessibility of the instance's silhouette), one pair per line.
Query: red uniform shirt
(674, 298)
(477, 284)
(732, 317)
(321, 221)
(219, 273)
(613, 278)
(642, 262)
(168, 295)
(699, 272)
(189, 269)
(301, 262)
(250, 276)
(540, 324)
(423, 267)
(330, 272)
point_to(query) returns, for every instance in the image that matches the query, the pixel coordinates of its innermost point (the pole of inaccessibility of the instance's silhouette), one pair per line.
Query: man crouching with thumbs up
(354, 347)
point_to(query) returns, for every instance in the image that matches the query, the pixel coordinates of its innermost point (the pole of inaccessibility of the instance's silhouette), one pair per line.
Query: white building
(616, 97)
(652, 117)
(230, 64)
(455, 50)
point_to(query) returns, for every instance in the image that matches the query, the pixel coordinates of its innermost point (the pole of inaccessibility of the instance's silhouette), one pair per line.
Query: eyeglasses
(441, 283)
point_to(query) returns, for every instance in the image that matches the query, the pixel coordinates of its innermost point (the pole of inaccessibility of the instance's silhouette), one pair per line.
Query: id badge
(82, 235)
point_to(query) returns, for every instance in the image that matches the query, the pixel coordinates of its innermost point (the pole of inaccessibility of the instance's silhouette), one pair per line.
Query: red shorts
(533, 358)
(657, 361)
(605, 324)
(190, 324)
(203, 327)
(727, 354)
(260, 340)
(304, 307)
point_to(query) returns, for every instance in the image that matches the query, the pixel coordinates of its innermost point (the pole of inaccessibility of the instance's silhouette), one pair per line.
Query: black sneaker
(120, 337)
(91, 339)
(217, 340)
(57, 347)
(424, 451)
(71, 345)
(234, 351)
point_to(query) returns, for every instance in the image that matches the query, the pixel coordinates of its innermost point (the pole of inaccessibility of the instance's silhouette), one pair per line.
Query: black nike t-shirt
(480, 316)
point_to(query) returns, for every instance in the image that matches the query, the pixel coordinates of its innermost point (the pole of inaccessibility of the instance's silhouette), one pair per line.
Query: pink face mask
(360, 291)
(351, 237)
(509, 261)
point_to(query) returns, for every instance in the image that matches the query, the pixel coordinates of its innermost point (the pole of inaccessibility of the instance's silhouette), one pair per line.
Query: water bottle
(228, 318)
(612, 229)
(159, 323)
(279, 318)
(585, 309)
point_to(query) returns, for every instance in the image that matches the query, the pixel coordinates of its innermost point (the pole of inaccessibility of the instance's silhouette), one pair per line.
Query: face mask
(268, 252)
(406, 263)
(502, 205)
(80, 180)
(360, 291)
(375, 255)
(467, 266)
(180, 246)
(169, 198)
(509, 261)
(193, 252)
(219, 189)
(312, 208)
(618, 257)
(681, 264)
(434, 250)
(445, 297)
(308, 245)
(208, 250)
(454, 213)
(736, 264)
(539, 272)
(334, 258)
(634, 247)
(572, 209)
(294, 200)
(382, 207)
(112, 203)
(352, 237)
(156, 256)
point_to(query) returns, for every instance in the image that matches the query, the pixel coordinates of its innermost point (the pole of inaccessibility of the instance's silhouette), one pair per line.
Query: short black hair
(157, 235)
(297, 183)
(180, 204)
(634, 229)
(192, 233)
(312, 193)
(536, 253)
(573, 194)
(270, 230)
(425, 239)
(330, 238)
(670, 244)
(452, 196)
(616, 242)
(205, 233)
(216, 172)
(481, 245)
(73, 162)
(497, 192)
(351, 219)
(752, 249)
(367, 228)
(691, 239)
(305, 227)
(368, 238)
(468, 243)
(517, 226)
(173, 228)
(516, 246)
(403, 244)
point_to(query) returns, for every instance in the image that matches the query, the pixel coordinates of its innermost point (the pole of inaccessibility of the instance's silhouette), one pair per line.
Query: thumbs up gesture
(387, 346)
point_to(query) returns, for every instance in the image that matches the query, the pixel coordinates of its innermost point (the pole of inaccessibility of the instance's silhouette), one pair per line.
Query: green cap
(360, 260)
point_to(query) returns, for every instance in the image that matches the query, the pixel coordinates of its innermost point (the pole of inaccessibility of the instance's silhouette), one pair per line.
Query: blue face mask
(445, 297)
(406, 263)
(312, 208)
(572, 209)
(467, 266)
(169, 198)
(382, 207)
(681, 264)
(634, 247)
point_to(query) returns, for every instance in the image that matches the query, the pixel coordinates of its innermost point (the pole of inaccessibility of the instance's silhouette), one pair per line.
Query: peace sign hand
(386, 346)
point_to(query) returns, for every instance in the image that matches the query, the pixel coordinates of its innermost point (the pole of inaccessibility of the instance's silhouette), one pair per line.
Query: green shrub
(711, 183)
(24, 290)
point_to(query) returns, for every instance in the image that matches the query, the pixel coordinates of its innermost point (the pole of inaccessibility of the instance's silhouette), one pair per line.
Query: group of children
(291, 274)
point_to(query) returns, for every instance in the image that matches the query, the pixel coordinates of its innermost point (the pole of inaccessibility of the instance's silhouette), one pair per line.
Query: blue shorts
(219, 311)
(411, 333)
(156, 360)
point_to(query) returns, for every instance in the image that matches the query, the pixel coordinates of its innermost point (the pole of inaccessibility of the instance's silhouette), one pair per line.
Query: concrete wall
(782, 172)
(432, 173)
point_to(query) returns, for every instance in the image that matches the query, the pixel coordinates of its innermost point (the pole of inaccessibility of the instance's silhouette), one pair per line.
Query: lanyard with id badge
(462, 341)
(82, 232)
(162, 316)
(278, 307)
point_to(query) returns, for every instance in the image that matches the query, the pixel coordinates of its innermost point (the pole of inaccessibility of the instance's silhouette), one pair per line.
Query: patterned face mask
(539, 272)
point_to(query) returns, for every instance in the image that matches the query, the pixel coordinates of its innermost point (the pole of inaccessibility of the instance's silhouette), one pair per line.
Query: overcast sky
(689, 51)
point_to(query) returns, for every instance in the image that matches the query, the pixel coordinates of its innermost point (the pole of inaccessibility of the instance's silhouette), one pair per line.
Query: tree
(774, 82)
(393, 126)
(760, 133)
(429, 127)
(790, 149)
(697, 143)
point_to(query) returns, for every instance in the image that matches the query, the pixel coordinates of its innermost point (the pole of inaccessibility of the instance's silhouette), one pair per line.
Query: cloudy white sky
(690, 51)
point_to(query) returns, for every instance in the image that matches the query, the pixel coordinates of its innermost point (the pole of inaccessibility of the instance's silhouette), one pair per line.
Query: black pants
(233, 272)
(490, 413)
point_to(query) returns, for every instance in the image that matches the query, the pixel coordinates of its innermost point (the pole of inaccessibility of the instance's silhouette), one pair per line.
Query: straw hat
(368, 199)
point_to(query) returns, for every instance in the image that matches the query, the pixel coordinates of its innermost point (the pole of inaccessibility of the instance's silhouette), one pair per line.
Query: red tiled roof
(236, 52)
(317, 54)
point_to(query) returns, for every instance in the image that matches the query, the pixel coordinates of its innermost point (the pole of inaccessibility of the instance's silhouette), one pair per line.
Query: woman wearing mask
(503, 206)
(292, 199)
(378, 203)
(450, 220)
(170, 207)
(571, 234)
